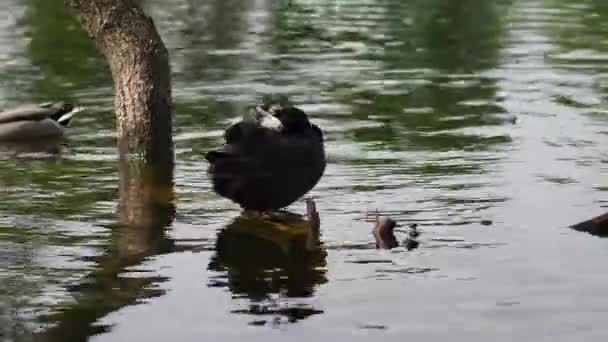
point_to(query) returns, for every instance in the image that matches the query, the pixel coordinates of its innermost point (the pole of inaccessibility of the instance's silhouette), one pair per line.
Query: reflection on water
(48, 147)
(447, 114)
(265, 261)
(145, 210)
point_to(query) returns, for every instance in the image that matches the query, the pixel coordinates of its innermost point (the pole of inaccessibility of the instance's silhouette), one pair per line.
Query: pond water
(440, 113)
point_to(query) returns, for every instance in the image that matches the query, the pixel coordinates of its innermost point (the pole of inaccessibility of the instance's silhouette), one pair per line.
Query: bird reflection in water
(47, 148)
(270, 263)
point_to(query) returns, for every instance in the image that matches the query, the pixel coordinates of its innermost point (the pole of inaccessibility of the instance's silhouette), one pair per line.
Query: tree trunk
(139, 62)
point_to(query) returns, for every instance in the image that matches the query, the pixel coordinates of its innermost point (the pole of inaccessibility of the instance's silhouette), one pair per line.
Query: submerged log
(384, 232)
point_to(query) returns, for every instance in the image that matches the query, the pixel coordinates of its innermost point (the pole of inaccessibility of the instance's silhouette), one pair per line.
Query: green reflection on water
(416, 74)
(63, 59)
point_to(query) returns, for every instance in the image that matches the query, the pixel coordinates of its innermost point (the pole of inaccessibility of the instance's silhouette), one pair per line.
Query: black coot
(270, 159)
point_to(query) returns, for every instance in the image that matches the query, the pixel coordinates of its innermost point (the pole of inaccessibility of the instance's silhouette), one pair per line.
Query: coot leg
(260, 214)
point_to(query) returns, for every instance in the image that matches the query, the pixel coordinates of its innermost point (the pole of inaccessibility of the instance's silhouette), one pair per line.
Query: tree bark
(139, 62)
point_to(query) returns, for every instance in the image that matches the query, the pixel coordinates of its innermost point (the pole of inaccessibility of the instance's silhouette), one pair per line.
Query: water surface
(441, 113)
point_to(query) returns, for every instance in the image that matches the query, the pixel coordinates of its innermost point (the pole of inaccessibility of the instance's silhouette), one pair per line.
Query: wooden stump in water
(384, 232)
(314, 236)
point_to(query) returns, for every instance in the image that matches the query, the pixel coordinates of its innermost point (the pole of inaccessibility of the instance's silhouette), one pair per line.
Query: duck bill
(65, 118)
(265, 119)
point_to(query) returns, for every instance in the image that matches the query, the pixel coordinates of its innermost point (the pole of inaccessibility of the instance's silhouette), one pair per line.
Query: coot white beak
(266, 119)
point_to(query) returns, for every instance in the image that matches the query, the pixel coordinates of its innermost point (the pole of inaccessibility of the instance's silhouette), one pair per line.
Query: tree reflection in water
(146, 209)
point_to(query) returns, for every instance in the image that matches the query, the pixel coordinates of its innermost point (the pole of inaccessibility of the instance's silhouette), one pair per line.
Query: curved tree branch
(139, 62)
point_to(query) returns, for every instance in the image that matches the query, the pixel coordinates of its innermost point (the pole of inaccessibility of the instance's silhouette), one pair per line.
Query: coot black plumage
(270, 159)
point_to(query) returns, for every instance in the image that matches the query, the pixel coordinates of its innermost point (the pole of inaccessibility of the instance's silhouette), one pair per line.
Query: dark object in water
(384, 232)
(597, 226)
(270, 159)
(410, 242)
(413, 232)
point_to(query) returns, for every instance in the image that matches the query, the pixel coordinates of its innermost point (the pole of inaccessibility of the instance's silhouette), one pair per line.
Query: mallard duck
(35, 121)
(269, 160)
